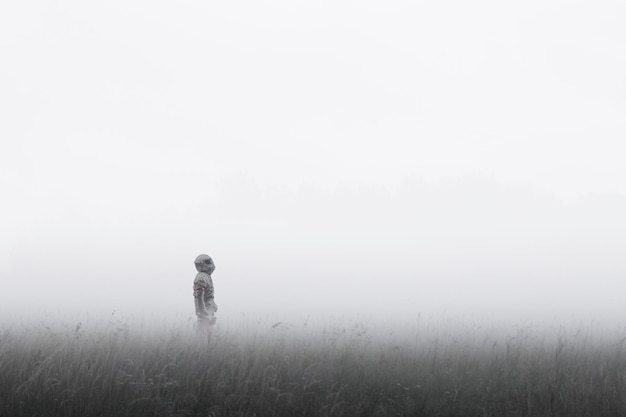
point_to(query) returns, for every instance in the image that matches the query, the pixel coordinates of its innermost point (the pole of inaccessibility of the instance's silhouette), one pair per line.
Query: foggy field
(453, 169)
(262, 368)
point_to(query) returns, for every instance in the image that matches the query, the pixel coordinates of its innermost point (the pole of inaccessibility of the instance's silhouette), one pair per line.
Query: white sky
(398, 156)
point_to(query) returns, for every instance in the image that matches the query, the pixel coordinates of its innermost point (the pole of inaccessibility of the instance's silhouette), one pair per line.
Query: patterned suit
(203, 291)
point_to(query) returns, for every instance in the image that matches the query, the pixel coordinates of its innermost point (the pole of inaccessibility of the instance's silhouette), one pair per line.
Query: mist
(335, 159)
(471, 247)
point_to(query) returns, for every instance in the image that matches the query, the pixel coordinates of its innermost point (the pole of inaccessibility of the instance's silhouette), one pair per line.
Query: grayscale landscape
(415, 208)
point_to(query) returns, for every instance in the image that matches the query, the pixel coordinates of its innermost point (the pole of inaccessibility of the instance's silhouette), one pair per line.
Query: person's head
(204, 263)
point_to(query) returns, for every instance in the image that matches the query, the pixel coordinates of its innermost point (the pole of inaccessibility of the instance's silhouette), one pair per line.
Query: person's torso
(202, 281)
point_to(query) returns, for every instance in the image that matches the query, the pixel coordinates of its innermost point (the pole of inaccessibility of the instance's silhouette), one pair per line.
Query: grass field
(260, 368)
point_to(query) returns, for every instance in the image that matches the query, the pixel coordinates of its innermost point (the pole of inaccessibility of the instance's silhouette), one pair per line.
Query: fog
(336, 159)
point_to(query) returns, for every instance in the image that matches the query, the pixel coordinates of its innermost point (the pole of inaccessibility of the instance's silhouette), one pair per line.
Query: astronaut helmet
(204, 263)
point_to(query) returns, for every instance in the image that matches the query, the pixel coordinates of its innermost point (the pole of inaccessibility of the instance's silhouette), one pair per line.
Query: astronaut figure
(203, 292)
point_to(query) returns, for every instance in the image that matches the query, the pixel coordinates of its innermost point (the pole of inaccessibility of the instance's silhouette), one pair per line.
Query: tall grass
(269, 369)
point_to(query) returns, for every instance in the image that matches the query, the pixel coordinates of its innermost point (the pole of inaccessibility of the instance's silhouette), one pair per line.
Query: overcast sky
(388, 157)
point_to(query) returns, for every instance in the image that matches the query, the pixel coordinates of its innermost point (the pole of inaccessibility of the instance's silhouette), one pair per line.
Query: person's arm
(209, 296)
(199, 295)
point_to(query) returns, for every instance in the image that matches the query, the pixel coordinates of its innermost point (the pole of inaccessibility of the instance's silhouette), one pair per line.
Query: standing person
(203, 292)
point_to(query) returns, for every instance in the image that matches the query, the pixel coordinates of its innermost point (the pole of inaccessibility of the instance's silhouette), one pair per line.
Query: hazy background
(349, 158)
